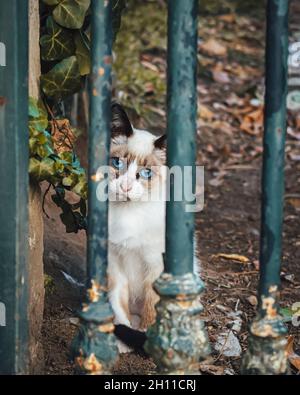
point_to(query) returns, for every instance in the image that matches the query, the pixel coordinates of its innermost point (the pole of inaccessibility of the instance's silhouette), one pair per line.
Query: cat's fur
(136, 223)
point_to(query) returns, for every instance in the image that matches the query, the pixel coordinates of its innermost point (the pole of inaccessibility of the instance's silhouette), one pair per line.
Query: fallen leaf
(256, 264)
(229, 18)
(293, 358)
(233, 257)
(295, 202)
(295, 135)
(252, 300)
(62, 135)
(205, 112)
(221, 76)
(213, 47)
(212, 369)
(252, 123)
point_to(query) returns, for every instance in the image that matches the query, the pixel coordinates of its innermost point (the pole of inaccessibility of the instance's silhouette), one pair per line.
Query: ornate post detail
(178, 339)
(266, 354)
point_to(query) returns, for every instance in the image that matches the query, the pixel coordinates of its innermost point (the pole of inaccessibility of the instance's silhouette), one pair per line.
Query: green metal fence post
(266, 353)
(14, 186)
(178, 339)
(95, 346)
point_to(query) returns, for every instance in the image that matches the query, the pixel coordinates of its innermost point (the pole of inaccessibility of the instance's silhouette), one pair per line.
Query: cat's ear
(120, 124)
(161, 142)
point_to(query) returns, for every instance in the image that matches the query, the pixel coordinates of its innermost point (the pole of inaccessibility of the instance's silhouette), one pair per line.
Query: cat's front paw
(123, 348)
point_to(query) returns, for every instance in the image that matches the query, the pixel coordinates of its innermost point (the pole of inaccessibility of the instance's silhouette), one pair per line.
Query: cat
(137, 190)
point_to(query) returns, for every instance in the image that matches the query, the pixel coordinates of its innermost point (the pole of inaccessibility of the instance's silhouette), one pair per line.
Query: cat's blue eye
(117, 163)
(146, 173)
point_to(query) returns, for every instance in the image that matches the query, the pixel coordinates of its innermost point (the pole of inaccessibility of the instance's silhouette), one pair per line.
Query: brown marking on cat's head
(137, 151)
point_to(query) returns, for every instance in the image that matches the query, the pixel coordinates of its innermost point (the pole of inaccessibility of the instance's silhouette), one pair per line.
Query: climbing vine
(65, 60)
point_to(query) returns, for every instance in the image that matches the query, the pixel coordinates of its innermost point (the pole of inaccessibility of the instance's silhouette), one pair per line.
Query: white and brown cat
(137, 189)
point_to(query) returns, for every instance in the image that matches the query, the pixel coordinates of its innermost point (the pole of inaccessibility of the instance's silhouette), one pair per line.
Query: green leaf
(83, 53)
(58, 43)
(33, 110)
(41, 169)
(71, 13)
(63, 80)
(38, 117)
(70, 180)
(81, 187)
(286, 313)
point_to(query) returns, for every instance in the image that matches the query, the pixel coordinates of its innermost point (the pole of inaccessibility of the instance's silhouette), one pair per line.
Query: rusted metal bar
(266, 353)
(14, 186)
(178, 339)
(95, 347)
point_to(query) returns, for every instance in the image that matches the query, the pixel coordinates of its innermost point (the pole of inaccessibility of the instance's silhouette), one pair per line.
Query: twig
(44, 197)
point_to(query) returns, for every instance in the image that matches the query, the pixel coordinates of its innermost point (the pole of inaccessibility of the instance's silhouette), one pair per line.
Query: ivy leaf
(42, 169)
(38, 117)
(63, 79)
(83, 53)
(58, 43)
(71, 13)
(81, 188)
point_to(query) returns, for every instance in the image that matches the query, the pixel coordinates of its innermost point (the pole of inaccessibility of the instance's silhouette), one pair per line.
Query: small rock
(229, 344)
(74, 321)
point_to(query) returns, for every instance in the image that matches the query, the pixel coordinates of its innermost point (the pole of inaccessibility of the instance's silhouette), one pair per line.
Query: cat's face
(137, 158)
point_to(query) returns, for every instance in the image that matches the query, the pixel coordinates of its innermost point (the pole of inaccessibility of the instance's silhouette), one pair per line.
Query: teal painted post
(14, 186)
(178, 339)
(266, 354)
(95, 346)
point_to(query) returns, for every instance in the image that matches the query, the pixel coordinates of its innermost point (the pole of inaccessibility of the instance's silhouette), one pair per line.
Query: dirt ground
(229, 146)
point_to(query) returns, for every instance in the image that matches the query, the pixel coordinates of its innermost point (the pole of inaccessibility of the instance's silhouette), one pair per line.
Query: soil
(228, 224)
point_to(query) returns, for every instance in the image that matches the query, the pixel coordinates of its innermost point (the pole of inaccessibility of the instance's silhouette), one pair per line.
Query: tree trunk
(36, 226)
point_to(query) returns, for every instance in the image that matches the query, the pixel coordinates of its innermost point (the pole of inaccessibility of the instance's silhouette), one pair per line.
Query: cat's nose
(126, 186)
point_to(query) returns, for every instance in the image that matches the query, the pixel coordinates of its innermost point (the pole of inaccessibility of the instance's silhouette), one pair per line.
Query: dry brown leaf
(213, 47)
(205, 113)
(229, 18)
(252, 123)
(253, 300)
(62, 135)
(212, 369)
(233, 257)
(293, 358)
(295, 202)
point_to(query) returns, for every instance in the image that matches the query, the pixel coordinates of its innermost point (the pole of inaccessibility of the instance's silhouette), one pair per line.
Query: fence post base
(178, 339)
(266, 354)
(95, 348)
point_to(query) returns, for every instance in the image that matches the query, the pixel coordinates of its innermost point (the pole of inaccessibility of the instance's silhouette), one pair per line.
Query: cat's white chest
(136, 225)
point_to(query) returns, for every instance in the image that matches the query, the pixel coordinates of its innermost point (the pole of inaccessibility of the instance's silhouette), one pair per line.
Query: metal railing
(14, 154)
